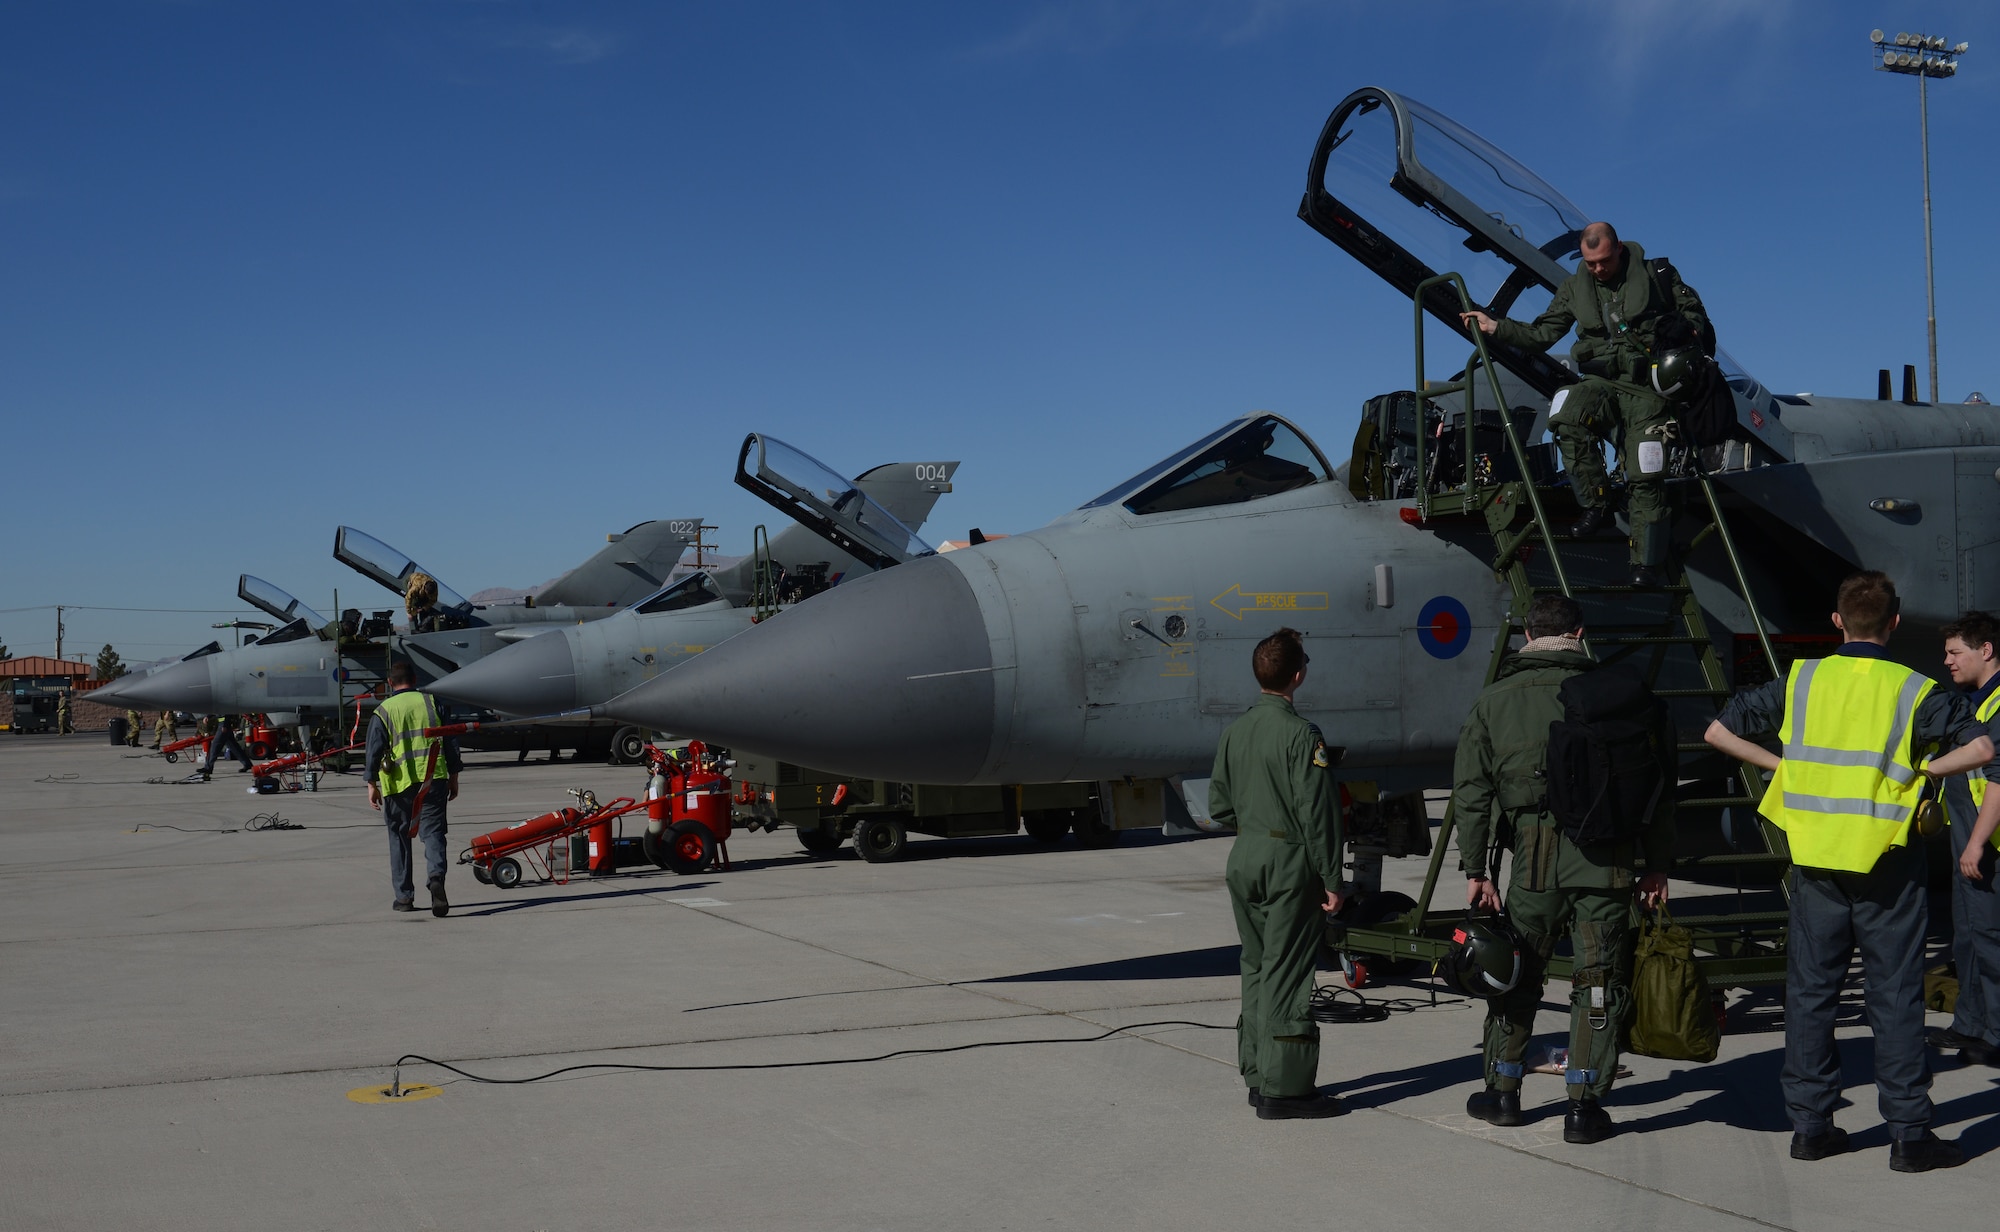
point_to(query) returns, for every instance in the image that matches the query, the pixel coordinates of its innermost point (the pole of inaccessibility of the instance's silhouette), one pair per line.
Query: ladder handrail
(1471, 420)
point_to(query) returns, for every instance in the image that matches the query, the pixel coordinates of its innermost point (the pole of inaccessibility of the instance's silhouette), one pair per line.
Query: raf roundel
(1444, 627)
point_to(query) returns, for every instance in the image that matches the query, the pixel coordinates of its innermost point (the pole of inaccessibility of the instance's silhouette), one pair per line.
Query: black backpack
(1607, 767)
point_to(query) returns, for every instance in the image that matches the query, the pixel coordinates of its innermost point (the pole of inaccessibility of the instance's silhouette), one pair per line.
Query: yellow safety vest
(404, 717)
(1976, 778)
(1846, 790)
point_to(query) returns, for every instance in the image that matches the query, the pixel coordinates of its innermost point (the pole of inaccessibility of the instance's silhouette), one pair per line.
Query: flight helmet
(1485, 957)
(1677, 373)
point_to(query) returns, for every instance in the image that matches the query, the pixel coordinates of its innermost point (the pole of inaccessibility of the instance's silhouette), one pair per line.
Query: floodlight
(1875, 36)
(1902, 40)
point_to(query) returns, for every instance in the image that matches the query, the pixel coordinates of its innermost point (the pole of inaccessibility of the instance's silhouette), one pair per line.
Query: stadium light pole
(1922, 56)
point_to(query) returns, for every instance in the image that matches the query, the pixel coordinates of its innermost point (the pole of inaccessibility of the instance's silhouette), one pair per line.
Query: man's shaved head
(1599, 235)
(1603, 255)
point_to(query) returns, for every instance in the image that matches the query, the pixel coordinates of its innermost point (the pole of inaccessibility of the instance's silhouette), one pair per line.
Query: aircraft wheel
(1046, 827)
(823, 839)
(480, 875)
(507, 872)
(881, 840)
(627, 746)
(1091, 830)
(690, 847)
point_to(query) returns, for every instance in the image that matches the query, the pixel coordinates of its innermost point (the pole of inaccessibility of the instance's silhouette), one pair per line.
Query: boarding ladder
(1661, 631)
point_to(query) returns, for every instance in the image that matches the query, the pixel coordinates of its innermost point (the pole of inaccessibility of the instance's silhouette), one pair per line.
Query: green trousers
(1642, 427)
(1599, 923)
(1278, 901)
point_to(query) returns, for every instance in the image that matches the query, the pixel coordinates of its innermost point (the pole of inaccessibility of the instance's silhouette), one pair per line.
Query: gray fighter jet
(1116, 641)
(843, 529)
(310, 668)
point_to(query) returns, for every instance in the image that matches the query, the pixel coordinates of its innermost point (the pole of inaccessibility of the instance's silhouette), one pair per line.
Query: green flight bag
(1672, 1016)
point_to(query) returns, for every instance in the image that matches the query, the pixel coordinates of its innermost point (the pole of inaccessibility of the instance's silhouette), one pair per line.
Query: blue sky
(490, 278)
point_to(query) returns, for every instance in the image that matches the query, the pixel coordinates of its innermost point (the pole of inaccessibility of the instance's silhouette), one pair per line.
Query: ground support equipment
(1482, 488)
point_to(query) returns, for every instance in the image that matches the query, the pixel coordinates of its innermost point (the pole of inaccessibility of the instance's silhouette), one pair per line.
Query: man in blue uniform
(1974, 809)
(1857, 730)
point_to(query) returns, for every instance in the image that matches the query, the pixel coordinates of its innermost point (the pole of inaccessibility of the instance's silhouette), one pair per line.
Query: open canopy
(820, 499)
(376, 560)
(1411, 194)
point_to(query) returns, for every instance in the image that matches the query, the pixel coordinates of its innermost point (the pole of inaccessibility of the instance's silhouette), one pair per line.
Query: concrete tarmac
(184, 1013)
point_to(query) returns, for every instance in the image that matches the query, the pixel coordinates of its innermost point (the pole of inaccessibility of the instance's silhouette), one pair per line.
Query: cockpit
(694, 590)
(1412, 194)
(381, 563)
(296, 620)
(1251, 458)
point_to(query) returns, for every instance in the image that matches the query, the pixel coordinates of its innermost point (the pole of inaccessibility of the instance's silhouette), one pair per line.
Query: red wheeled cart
(688, 815)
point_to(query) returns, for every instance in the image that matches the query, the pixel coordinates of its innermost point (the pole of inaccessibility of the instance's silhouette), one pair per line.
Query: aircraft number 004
(933, 471)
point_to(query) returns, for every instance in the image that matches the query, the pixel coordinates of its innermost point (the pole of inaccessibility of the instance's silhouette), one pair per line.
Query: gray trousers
(225, 744)
(1975, 944)
(1883, 912)
(396, 818)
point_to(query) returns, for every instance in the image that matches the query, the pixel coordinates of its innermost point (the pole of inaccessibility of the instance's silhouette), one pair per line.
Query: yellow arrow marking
(1241, 601)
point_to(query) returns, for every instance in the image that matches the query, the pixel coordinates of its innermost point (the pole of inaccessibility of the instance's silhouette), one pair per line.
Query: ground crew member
(1627, 312)
(1555, 886)
(131, 729)
(398, 755)
(1856, 729)
(165, 729)
(1974, 809)
(63, 727)
(1273, 783)
(224, 744)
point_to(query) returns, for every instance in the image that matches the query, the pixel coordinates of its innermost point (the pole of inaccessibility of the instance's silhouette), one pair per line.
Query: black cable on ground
(414, 1059)
(1333, 1005)
(270, 821)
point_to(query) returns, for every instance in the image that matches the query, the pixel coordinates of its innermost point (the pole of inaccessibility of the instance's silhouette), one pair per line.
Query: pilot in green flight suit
(1626, 313)
(1554, 886)
(1273, 782)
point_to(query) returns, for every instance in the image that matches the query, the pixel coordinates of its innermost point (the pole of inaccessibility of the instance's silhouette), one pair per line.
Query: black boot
(1924, 1153)
(1831, 1142)
(1589, 522)
(1314, 1107)
(1646, 577)
(1586, 1122)
(1494, 1107)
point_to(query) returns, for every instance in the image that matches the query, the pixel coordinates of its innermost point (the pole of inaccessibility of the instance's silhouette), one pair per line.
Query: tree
(109, 667)
(3, 651)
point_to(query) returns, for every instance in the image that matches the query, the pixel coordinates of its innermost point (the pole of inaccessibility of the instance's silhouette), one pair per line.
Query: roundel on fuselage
(1444, 627)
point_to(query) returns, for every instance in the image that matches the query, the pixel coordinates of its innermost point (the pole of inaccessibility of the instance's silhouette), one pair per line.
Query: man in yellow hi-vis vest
(1972, 653)
(398, 755)
(1856, 729)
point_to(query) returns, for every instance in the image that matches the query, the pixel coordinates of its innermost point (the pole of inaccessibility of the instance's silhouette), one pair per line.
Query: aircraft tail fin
(909, 490)
(627, 568)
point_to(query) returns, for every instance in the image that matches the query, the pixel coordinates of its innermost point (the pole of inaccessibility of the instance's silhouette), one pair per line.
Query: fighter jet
(843, 529)
(1116, 640)
(309, 668)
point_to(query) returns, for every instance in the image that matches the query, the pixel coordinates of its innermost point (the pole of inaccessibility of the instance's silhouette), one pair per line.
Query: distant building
(33, 683)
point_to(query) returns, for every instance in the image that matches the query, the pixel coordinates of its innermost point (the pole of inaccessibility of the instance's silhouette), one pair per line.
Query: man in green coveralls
(1627, 312)
(1555, 885)
(1273, 783)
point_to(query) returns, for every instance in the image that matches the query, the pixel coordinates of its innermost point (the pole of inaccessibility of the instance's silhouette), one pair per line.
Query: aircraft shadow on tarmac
(1221, 960)
(555, 900)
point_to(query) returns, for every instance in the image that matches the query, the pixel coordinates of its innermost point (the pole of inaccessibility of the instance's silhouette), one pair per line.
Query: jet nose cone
(888, 676)
(537, 676)
(184, 686)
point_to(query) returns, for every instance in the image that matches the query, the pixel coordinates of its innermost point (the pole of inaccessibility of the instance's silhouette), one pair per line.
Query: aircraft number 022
(683, 526)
